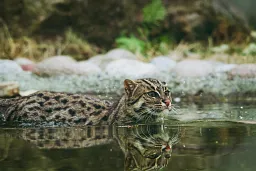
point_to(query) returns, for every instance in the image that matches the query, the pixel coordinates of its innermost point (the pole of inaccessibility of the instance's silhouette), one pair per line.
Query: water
(206, 137)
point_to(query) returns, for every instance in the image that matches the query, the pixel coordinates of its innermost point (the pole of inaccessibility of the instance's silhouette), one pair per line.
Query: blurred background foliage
(83, 28)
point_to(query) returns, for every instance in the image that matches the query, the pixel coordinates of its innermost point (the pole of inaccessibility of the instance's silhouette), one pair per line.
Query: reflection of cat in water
(145, 147)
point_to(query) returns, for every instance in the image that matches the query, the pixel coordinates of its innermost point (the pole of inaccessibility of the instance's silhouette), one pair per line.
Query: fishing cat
(143, 99)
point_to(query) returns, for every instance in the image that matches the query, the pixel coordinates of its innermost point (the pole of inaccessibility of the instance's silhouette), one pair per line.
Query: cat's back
(57, 107)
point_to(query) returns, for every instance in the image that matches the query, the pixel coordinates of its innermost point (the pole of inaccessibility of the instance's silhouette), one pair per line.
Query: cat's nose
(167, 102)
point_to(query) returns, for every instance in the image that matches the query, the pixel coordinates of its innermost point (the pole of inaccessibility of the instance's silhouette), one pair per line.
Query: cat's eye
(153, 156)
(153, 94)
(167, 93)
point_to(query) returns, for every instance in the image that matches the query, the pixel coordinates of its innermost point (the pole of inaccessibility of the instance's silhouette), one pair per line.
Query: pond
(198, 137)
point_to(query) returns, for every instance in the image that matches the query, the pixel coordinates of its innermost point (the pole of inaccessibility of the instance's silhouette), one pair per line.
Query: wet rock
(8, 66)
(55, 66)
(130, 68)
(163, 63)
(193, 68)
(244, 70)
(26, 64)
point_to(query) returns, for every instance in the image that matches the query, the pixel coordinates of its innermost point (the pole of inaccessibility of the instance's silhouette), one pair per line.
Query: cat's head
(147, 96)
(148, 158)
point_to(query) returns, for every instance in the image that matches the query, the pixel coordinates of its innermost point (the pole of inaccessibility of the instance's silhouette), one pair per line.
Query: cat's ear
(130, 86)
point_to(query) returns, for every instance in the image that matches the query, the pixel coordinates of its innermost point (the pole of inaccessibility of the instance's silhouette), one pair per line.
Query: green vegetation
(142, 44)
(154, 11)
(40, 29)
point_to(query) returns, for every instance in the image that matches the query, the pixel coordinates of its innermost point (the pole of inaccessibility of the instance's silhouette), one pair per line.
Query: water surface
(205, 137)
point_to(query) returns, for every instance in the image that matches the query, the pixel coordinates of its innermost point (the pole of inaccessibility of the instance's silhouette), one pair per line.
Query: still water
(209, 137)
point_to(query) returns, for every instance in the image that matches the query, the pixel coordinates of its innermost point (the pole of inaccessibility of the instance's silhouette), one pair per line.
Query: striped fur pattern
(143, 100)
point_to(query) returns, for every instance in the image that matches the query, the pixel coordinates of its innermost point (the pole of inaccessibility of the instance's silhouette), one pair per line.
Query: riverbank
(104, 74)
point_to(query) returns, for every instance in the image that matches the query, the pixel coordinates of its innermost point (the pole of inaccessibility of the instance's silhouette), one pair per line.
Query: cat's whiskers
(175, 110)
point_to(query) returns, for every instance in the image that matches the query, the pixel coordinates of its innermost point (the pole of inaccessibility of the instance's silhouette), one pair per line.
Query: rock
(224, 67)
(163, 63)
(27, 93)
(103, 60)
(130, 69)
(26, 64)
(244, 70)
(64, 65)
(8, 66)
(88, 68)
(9, 89)
(120, 54)
(56, 65)
(193, 68)
(23, 61)
(28, 67)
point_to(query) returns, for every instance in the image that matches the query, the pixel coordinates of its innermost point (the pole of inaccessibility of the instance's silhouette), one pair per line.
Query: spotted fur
(143, 99)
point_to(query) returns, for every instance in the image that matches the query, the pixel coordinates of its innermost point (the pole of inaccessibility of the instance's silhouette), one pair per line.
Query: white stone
(27, 93)
(120, 54)
(163, 63)
(86, 67)
(244, 70)
(23, 61)
(101, 60)
(193, 68)
(224, 67)
(130, 69)
(55, 66)
(8, 66)
(60, 65)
